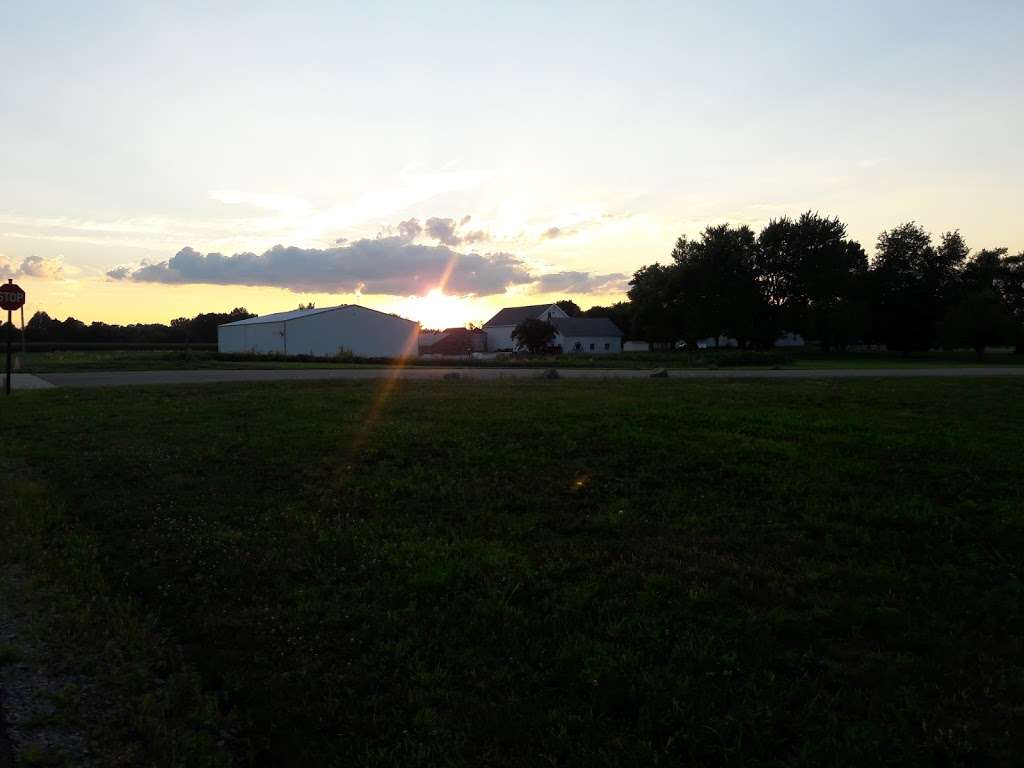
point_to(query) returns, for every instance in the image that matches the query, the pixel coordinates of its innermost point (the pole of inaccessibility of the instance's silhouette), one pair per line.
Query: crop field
(524, 573)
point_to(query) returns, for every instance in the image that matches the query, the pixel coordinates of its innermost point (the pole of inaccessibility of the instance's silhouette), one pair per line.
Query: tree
(719, 290)
(914, 285)
(310, 305)
(812, 277)
(1011, 287)
(980, 320)
(570, 307)
(534, 335)
(621, 313)
(656, 303)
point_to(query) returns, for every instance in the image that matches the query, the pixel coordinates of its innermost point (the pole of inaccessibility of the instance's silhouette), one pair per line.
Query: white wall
(258, 338)
(361, 331)
(568, 344)
(500, 336)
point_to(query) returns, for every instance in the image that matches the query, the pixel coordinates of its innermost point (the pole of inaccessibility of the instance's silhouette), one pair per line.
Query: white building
(591, 335)
(588, 335)
(499, 328)
(327, 332)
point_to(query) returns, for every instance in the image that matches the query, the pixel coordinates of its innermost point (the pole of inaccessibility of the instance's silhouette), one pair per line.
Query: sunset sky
(515, 153)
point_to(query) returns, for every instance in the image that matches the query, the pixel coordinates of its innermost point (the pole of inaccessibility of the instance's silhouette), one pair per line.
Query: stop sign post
(11, 298)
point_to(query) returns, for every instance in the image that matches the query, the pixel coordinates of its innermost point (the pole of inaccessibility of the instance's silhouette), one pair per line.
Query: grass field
(142, 360)
(540, 573)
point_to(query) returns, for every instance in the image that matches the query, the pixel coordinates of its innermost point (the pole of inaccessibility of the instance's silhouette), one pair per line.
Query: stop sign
(11, 296)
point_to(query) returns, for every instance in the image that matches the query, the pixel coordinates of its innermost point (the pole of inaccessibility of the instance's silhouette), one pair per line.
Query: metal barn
(328, 332)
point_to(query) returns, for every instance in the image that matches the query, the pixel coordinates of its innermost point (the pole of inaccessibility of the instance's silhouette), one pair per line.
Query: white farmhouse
(327, 332)
(499, 328)
(592, 335)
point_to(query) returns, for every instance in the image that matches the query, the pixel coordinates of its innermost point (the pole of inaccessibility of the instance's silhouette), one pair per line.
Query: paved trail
(134, 378)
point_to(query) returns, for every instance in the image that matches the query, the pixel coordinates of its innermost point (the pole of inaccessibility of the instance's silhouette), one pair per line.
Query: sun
(437, 310)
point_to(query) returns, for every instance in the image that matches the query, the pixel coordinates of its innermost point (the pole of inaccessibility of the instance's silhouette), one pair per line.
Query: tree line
(201, 329)
(805, 276)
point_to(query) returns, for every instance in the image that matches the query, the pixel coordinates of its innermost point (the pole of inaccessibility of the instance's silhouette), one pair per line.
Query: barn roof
(516, 315)
(585, 326)
(295, 314)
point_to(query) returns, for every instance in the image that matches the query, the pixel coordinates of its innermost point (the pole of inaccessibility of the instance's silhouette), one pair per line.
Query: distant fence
(111, 346)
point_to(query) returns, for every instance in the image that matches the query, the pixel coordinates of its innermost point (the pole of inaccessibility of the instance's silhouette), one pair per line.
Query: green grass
(556, 573)
(144, 360)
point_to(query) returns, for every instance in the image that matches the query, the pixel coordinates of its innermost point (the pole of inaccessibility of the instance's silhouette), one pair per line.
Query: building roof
(456, 341)
(516, 315)
(585, 326)
(295, 314)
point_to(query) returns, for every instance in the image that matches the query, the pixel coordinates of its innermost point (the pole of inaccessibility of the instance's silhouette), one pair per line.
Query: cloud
(446, 231)
(554, 232)
(580, 282)
(40, 267)
(409, 229)
(385, 265)
(443, 230)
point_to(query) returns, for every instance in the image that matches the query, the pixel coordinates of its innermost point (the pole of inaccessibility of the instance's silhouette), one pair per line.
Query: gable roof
(516, 315)
(295, 314)
(585, 326)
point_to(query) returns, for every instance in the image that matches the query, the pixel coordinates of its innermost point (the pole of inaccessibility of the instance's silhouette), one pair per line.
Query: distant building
(455, 341)
(327, 332)
(590, 335)
(499, 328)
(790, 340)
(727, 342)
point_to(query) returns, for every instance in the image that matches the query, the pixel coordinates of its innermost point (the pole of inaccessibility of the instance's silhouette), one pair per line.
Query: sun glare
(437, 310)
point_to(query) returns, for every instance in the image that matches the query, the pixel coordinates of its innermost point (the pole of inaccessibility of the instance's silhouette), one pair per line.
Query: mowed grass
(177, 359)
(564, 573)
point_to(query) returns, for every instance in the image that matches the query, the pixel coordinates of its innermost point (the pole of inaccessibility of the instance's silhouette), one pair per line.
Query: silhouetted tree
(1011, 288)
(200, 329)
(656, 300)
(913, 285)
(812, 277)
(533, 335)
(978, 321)
(570, 307)
(620, 313)
(720, 294)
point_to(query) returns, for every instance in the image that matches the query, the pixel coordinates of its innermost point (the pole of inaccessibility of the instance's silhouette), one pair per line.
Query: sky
(442, 160)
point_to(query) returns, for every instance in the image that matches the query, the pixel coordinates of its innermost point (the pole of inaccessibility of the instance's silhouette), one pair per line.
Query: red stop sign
(11, 296)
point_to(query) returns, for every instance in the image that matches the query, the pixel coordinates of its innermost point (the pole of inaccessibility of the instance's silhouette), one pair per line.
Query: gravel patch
(41, 701)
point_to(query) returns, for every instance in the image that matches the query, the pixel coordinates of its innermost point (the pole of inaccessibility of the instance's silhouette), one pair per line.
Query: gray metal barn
(327, 332)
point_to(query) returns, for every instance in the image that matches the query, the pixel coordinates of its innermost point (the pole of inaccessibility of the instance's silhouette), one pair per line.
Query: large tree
(570, 307)
(720, 294)
(913, 285)
(812, 276)
(654, 296)
(1011, 288)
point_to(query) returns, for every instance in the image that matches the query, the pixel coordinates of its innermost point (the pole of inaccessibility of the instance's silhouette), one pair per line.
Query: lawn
(177, 359)
(532, 573)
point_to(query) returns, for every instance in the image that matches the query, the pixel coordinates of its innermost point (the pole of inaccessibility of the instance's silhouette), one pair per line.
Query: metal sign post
(11, 298)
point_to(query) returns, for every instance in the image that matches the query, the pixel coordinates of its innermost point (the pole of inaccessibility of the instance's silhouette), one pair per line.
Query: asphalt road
(136, 378)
